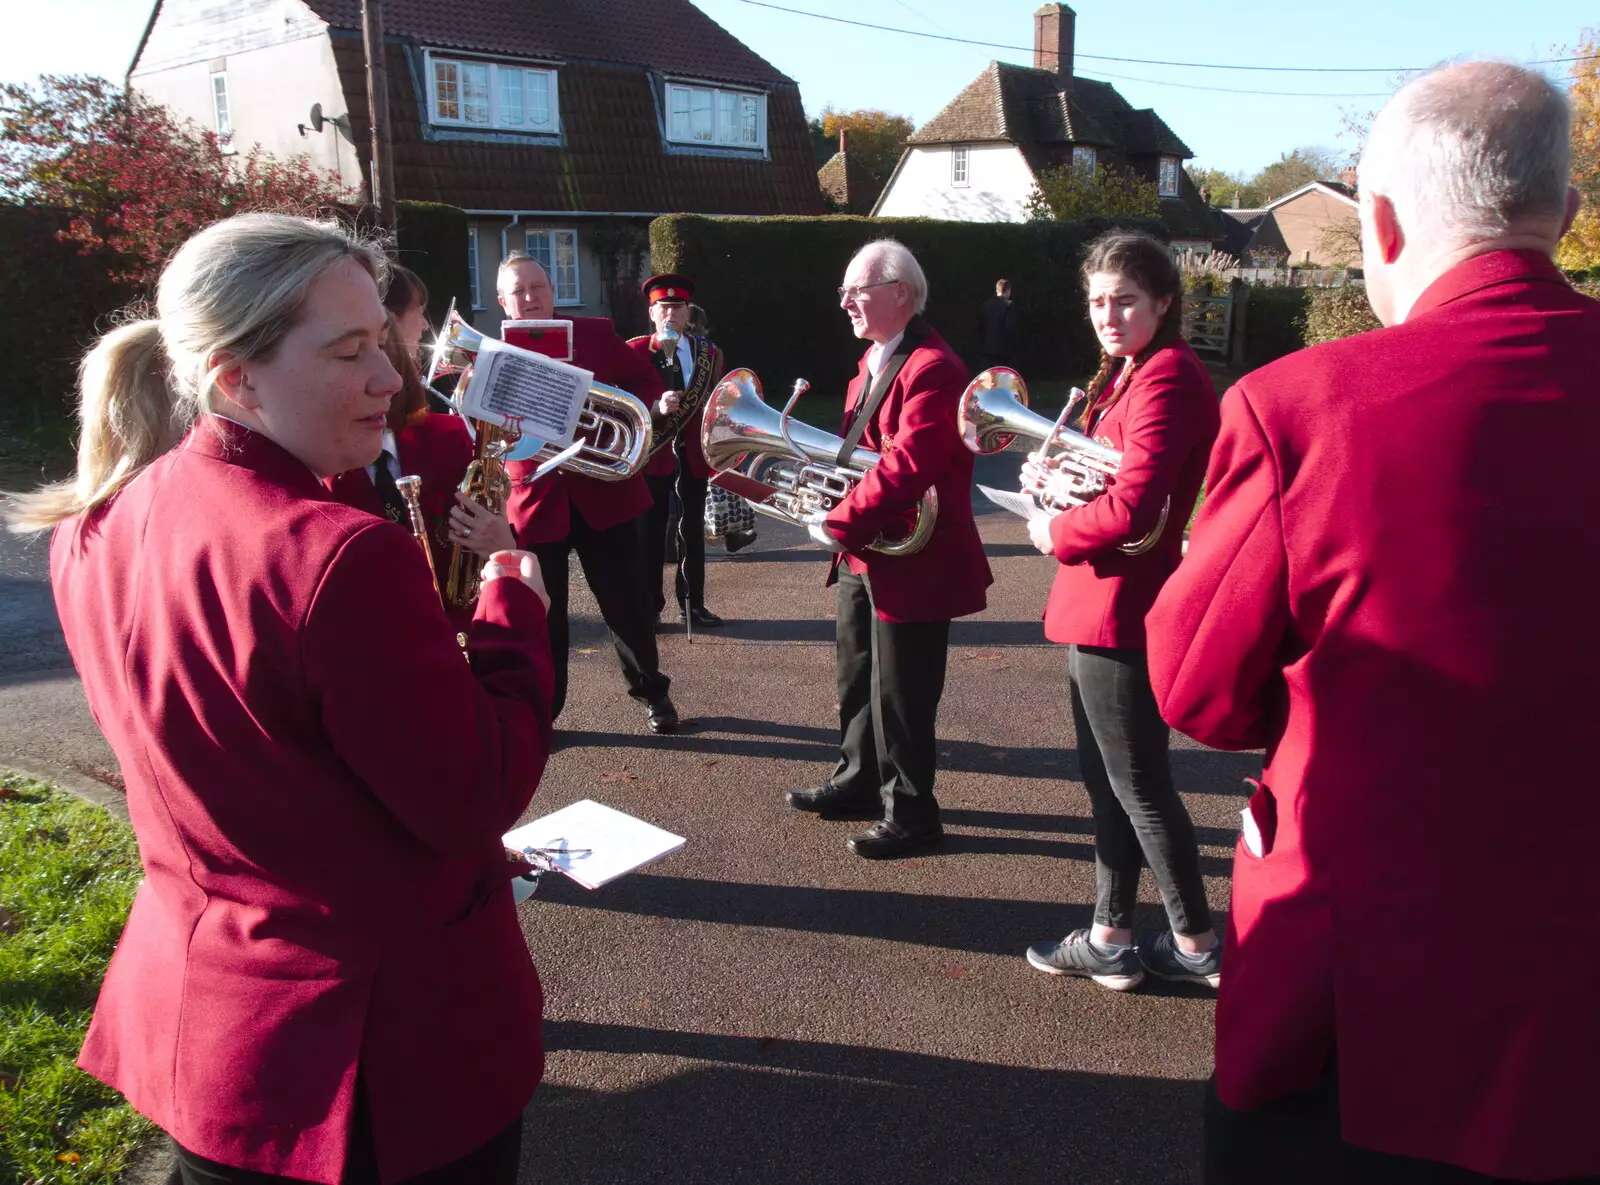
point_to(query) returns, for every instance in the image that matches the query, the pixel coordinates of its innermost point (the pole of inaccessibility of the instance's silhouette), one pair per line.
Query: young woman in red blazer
(1153, 401)
(327, 909)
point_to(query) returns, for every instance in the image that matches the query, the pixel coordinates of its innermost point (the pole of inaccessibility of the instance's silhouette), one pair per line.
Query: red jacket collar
(1483, 271)
(234, 444)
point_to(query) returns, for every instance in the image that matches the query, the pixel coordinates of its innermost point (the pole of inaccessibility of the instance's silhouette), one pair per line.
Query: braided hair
(1147, 261)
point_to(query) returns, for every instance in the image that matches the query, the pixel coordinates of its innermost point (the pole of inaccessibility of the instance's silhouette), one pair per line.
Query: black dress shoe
(734, 540)
(663, 716)
(704, 619)
(886, 839)
(831, 802)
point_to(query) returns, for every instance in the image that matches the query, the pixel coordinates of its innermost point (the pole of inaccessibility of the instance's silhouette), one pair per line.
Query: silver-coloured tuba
(994, 412)
(614, 426)
(741, 433)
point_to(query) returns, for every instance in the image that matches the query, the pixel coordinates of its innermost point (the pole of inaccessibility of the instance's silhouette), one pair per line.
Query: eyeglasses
(854, 291)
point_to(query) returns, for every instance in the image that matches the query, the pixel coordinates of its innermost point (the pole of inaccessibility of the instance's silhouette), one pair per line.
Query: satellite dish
(317, 118)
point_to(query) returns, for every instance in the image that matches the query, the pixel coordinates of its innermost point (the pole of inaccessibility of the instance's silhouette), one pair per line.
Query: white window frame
(1163, 188)
(472, 267)
(497, 74)
(222, 111)
(1082, 155)
(960, 167)
(567, 294)
(725, 109)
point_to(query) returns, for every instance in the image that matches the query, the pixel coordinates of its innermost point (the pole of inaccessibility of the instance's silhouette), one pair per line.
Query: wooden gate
(1208, 322)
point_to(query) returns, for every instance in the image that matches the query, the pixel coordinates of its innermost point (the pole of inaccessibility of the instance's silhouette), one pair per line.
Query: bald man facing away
(1391, 589)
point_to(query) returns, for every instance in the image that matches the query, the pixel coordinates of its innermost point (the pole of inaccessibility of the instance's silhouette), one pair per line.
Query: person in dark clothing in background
(998, 328)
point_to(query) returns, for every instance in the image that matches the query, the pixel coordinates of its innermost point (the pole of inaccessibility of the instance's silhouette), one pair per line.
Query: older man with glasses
(894, 612)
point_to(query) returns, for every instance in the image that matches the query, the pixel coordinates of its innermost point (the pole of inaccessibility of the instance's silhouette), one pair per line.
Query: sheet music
(1017, 503)
(516, 388)
(604, 843)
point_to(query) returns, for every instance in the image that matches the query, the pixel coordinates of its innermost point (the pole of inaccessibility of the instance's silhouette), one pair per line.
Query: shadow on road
(759, 1109)
(981, 925)
(1197, 771)
(962, 633)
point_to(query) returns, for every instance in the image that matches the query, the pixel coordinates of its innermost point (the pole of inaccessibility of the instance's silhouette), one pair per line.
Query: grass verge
(68, 872)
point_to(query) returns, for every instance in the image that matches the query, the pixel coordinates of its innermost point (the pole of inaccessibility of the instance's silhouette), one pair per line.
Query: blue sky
(850, 67)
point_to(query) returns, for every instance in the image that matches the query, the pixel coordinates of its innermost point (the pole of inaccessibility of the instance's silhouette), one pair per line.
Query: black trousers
(495, 1163)
(1296, 1141)
(690, 580)
(613, 564)
(1138, 816)
(891, 676)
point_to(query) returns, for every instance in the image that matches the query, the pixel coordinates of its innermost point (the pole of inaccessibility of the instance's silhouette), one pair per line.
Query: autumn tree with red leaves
(135, 181)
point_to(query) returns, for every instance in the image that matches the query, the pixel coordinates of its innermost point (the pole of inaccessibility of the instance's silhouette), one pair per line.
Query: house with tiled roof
(543, 120)
(848, 186)
(979, 159)
(1317, 223)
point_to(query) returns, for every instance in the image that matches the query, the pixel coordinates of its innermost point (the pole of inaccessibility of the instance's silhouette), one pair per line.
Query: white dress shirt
(685, 360)
(394, 459)
(880, 353)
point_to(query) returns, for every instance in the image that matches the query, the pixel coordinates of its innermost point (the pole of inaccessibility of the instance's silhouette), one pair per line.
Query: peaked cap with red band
(670, 288)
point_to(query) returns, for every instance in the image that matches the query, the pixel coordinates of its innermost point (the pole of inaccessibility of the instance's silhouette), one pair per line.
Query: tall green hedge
(1338, 312)
(769, 287)
(1275, 323)
(53, 302)
(431, 240)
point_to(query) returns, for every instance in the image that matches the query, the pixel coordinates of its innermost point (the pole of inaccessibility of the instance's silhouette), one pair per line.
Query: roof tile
(611, 159)
(669, 35)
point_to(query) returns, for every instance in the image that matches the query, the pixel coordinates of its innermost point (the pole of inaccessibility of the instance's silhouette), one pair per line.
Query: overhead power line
(822, 16)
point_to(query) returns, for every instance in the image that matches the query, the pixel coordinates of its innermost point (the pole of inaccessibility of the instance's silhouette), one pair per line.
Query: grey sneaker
(1163, 959)
(1116, 967)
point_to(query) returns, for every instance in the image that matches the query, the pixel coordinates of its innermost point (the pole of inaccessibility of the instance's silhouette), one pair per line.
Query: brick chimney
(1349, 176)
(844, 140)
(1052, 41)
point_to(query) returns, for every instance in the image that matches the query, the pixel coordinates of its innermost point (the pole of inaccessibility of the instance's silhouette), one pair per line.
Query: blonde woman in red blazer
(326, 912)
(1153, 401)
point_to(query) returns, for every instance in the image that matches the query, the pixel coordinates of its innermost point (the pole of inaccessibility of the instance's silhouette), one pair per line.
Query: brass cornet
(741, 433)
(994, 412)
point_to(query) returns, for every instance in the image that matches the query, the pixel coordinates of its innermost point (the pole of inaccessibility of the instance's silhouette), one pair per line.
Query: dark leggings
(1138, 816)
(494, 1163)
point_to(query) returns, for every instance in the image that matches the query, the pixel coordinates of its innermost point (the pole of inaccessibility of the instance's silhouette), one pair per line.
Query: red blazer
(663, 464)
(915, 431)
(542, 512)
(1388, 587)
(1163, 424)
(324, 881)
(437, 449)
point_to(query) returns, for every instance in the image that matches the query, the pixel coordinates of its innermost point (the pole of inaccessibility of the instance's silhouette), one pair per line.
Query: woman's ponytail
(127, 417)
(234, 288)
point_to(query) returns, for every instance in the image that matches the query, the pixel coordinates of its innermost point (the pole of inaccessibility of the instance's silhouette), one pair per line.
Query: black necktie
(394, 506)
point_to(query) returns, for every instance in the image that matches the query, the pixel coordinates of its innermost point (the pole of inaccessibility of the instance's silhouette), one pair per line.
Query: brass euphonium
(741, 433)
(994, 412)
(614, 425)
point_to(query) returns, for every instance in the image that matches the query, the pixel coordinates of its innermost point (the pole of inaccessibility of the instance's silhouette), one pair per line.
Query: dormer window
(715, 118)
(498, 96)
(1083, 158)
(1167, 181)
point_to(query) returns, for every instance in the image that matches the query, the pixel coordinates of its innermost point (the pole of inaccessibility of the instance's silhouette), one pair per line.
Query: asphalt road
(762, 1006)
